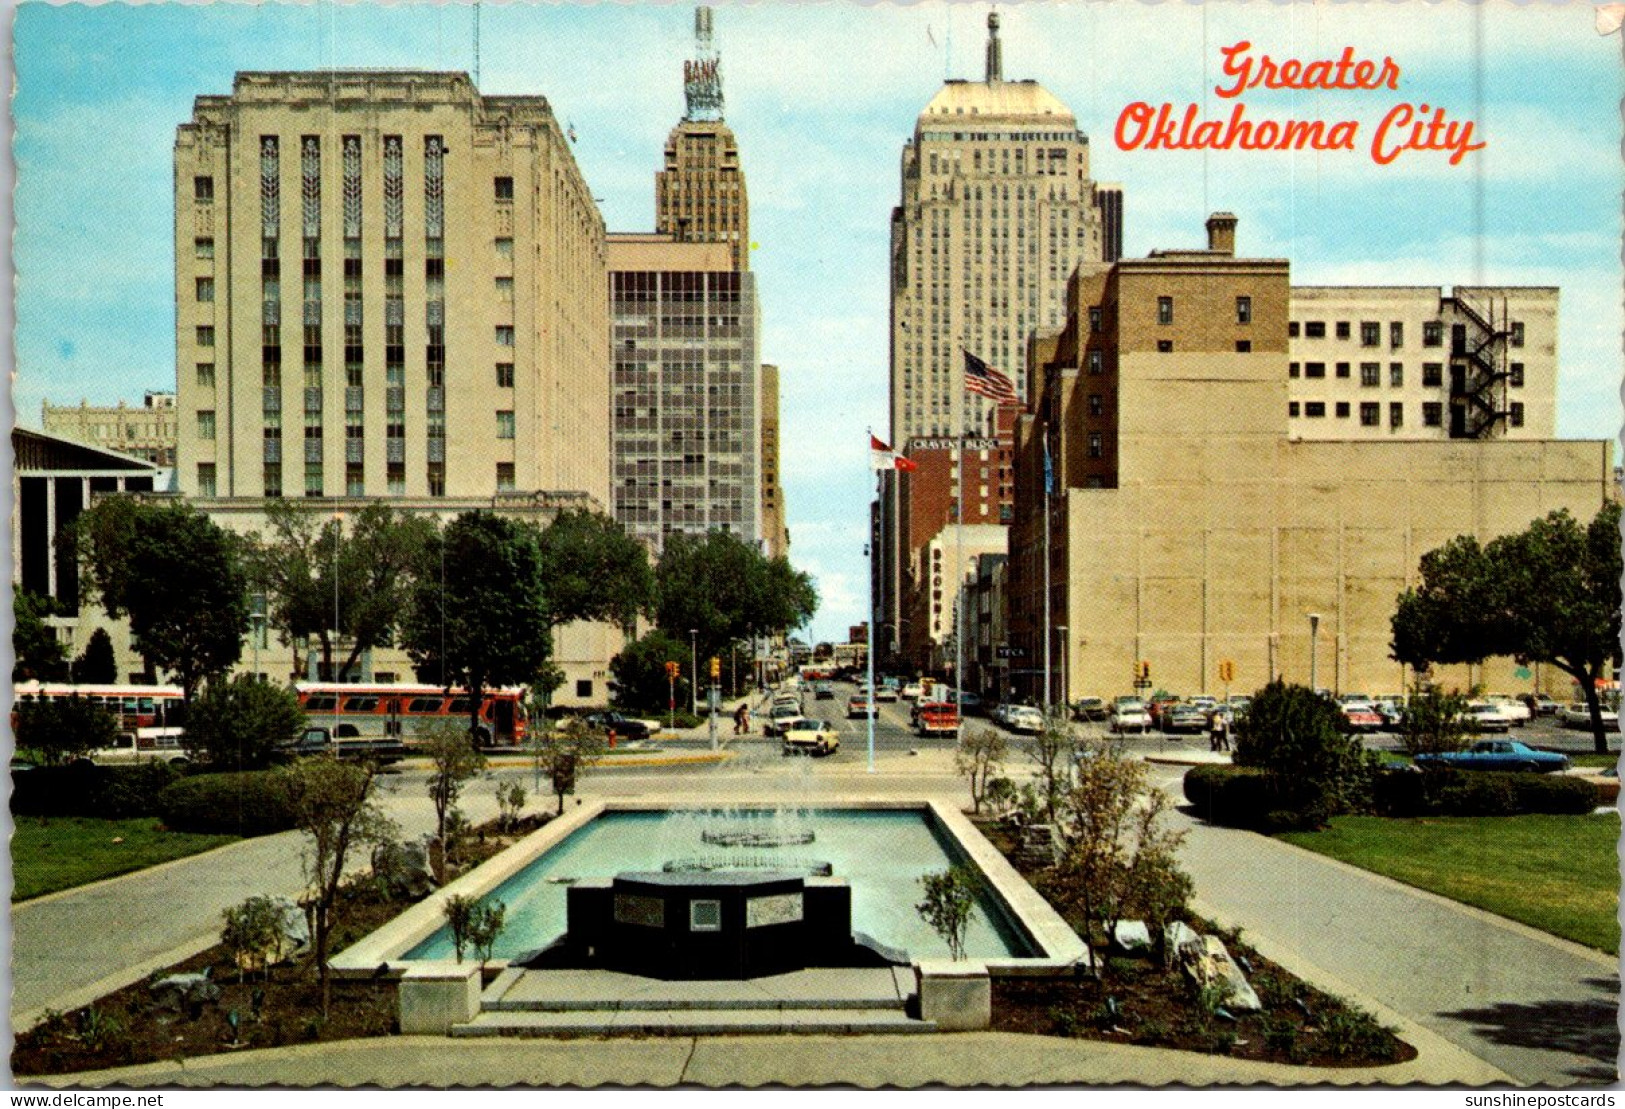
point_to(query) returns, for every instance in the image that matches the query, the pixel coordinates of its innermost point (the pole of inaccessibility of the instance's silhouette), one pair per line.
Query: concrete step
(693, 1023)
(611, 992)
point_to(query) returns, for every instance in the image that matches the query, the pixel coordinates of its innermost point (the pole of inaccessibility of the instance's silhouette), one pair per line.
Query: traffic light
(671, 670)
(1227, 671)
(1145, 670)
(716, 668)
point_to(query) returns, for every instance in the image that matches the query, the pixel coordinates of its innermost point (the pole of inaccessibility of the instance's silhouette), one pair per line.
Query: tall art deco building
(997, 210)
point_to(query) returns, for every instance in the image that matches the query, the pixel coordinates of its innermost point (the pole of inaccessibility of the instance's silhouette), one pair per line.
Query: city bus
(404, 713)
(147, 715)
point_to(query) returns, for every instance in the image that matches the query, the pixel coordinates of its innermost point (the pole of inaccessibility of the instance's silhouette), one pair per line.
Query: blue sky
(822, 98)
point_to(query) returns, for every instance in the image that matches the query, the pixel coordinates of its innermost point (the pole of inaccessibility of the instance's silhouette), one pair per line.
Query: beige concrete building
(1191, 526)
(686, 416)
(997, 209)
(946, 564)
(148, 432)
(775, 533)
(1392, 362)
(387, 284)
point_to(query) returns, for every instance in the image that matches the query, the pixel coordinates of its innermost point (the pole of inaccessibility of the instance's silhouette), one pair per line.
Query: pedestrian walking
(741, 715)
(1219, 731)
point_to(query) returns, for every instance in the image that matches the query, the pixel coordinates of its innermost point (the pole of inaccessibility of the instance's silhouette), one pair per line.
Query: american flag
(985, 381)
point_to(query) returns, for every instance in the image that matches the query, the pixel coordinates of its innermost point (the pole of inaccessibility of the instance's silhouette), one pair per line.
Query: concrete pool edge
(386, 947)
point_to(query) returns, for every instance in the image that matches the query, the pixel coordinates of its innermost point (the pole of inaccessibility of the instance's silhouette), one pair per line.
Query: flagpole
(959, 569)
(1048, 701)
(873, 706)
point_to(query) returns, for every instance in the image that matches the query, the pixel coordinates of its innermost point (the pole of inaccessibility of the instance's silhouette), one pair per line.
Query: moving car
(823, 691)
(911, 691)
(937, 718)
(859, 704)
(1024, 719)
(1498, 754)
(624, 727)
(781, 718)
(886, 693)
(810, 737)
(1129, 714)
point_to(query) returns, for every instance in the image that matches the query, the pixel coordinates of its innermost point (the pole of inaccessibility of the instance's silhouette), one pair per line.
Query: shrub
(63, 728)
(949, 905)
(1449, 792)
(1295, 736)
(251, 803)
(239, 724)
(1554, 793)
(102, 792)
(1479, 795)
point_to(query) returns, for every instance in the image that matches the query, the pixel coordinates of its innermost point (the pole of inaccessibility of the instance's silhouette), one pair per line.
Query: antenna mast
(476, 44)
(702, 77)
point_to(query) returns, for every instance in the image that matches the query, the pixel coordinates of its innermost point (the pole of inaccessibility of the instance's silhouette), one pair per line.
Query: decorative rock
(1176, 936)
(1209, 963)
(180, 990)
(294, 927)
(1132, 935)
(403, 868)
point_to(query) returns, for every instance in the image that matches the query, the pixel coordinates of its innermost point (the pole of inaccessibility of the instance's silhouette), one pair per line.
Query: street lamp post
(1314, 638)
(1066, 650)
(694, 668)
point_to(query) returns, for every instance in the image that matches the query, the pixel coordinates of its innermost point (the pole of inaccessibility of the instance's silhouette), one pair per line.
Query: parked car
(624, 727)
(937, 718)
(1182, 718)
(1129, 714)
(1090, 708)
(781, 718)
(1024, 719)
(1511, 708)
(1158, 705)
(811, 737)
(1606, 782)
(969, 703)
(1542, 705)
(1361, 716)
(859, 704)
(1576, 715)
(1498, 754)
(1481, 716)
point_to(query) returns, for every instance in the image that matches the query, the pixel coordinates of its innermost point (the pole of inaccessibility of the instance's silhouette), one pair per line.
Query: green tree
(63, 728)
(1433, 722)
(96, 664)
(39, 655)
(1117, 860)
(178, 577)
(1550, 593)
(640, 672)
(452, 762)
(725, 590)
(564, 754)
(593, 569)
(1295, 736)
(979, 759)
(239, 724)
(949, 906)
(333, 806)
(1051, 751)
(486, 622)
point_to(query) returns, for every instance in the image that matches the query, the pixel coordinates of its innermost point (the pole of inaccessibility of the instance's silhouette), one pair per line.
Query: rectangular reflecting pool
(880, 853)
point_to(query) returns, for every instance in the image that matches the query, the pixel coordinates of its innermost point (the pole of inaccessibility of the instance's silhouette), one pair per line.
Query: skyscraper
(997, 210)
(700, 194)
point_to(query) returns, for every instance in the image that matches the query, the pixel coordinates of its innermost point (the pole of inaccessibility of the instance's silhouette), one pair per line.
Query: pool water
(882, 854)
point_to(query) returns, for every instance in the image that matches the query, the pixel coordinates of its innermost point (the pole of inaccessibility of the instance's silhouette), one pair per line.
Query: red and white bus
(405, 712)
(150, 709)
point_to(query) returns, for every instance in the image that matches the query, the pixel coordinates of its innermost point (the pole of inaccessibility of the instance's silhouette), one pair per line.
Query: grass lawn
(1601, 762)
(63, 852)
(1556, 873)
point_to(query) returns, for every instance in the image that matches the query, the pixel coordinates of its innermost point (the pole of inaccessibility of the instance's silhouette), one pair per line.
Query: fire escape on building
(1479, 368)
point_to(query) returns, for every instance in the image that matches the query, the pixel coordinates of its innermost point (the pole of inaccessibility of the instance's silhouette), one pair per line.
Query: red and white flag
(882, 457)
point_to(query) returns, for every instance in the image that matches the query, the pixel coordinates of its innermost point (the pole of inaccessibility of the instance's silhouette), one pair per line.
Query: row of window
(1165, 312)
(1371, 373)
(1371, 412)
(1371, 332)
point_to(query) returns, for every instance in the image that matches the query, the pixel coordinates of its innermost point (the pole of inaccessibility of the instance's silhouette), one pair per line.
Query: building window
(1396, 375)
(203, 190)
(1314, 330)
(1433, 333)
(205, 290)
(204, 249)
(395, 479)
(313, 479)
(205, 479)
(505, 290)
(1095, 362)
(1432, 414)
(1370, 333)
(1396, 334)
(1432, 375)
(1342, 329)
(272, 479)
(1244, 309)
(1292, 408)
(1292, 330)
(1096, 404)
(1342, 410)
(1292, 369)
(1314, 369)
(1517, 333)
(504, 477)
(1342, 369)
(505, 424)
(1165, 346)
(504, 375)
(1370, 414)
(1396, 415)
(437, 479)
(1094, 321)
(1370, 375)
(504, 335)
(205, 336)
(1244, 346)
(1314, 409)
(355, 480)
(1165, 310)
(504, 248)
(504, 189)
(205, 424)
(1515, 414)
(1515, 375)
(1096, 447)
(205, 374)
